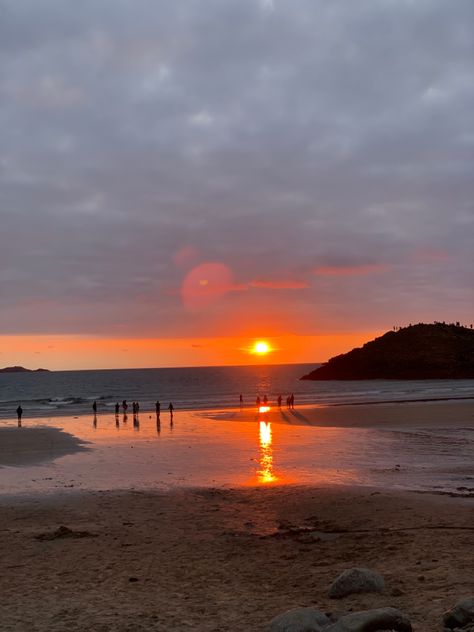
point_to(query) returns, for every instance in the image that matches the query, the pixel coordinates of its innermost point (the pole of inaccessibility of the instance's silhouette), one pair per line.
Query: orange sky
(84, 352)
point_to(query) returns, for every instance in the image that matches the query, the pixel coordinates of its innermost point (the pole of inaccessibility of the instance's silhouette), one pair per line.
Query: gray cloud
(276, 138)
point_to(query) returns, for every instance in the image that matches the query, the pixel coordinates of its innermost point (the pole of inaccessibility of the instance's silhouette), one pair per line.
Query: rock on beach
(372, 621)
(356, 580)
(461, 615)
(299, 620)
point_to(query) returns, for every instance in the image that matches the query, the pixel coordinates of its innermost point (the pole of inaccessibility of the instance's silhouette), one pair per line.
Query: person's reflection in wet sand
(158, 425)
(19, 422)
(117, 421)
(125, 418)
(136, 422)
(94, 421)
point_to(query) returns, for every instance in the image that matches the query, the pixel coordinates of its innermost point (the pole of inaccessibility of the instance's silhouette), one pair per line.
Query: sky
(180, 179)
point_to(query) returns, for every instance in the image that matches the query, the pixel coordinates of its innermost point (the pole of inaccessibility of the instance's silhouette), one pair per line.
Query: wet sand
(390, 415)
(225, 560)
(30, 446)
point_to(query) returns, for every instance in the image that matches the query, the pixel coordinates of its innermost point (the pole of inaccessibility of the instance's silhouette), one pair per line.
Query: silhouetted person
(257, 401)
(19, 413)
(279, 401)
(117, 408)
(137, 407)
(124, 405)
(171, 408)
(157, 408)
(265, 400)
(292, 401)
(241, 400)
(94, 407)
(134, 408)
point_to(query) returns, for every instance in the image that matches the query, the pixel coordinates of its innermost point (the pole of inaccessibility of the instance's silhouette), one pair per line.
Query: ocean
(61, 393)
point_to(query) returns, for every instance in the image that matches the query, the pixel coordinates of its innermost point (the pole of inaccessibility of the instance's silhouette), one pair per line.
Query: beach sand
(214, 559)
(225, 557)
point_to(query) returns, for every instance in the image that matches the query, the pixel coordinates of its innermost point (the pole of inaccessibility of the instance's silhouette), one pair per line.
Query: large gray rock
(299, 620)
(372, 621)
(356, 580)
(461, 615)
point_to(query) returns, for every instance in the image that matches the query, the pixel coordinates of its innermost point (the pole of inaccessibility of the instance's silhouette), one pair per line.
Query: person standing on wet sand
(19, 413)
(117, 408)
(94, 407)
(171, 408)
(241, 400)
(157, 408)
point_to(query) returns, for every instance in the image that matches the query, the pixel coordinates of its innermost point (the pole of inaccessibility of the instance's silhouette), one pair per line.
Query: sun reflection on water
(265, 473)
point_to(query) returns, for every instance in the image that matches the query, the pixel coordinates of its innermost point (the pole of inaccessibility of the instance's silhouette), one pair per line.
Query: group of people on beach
(135, 408)
(290, 401)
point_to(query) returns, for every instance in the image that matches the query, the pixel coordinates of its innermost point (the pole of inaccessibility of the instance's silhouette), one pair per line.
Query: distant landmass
(20, 369)
(417, 352)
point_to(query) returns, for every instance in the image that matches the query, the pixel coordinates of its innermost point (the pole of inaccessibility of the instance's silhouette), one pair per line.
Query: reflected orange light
(265, 473)
(264, 409)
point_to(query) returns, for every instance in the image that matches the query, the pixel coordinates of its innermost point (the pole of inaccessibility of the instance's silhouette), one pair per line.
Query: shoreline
(211, 559)
(315, 414)
(424, 447)
(64, 411)
(414, 413)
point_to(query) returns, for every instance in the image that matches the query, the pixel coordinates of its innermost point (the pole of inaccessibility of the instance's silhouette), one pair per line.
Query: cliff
(417, 352)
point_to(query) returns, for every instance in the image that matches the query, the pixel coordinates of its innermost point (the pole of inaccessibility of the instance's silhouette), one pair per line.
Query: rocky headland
(416, 352)
(21, 369)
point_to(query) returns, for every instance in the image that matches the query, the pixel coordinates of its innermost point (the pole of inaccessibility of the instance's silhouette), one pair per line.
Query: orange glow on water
(265, 473)
(264, 409)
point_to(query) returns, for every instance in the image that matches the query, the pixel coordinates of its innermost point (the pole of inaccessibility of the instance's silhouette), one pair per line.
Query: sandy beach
(224, 520)
(217, 560)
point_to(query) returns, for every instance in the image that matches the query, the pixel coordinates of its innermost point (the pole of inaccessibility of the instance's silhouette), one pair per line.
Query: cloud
(293, 143)
(278, 284)
(351, 270)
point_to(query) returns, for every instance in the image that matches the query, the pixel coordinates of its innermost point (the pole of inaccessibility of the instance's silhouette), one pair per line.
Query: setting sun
(261, 347)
